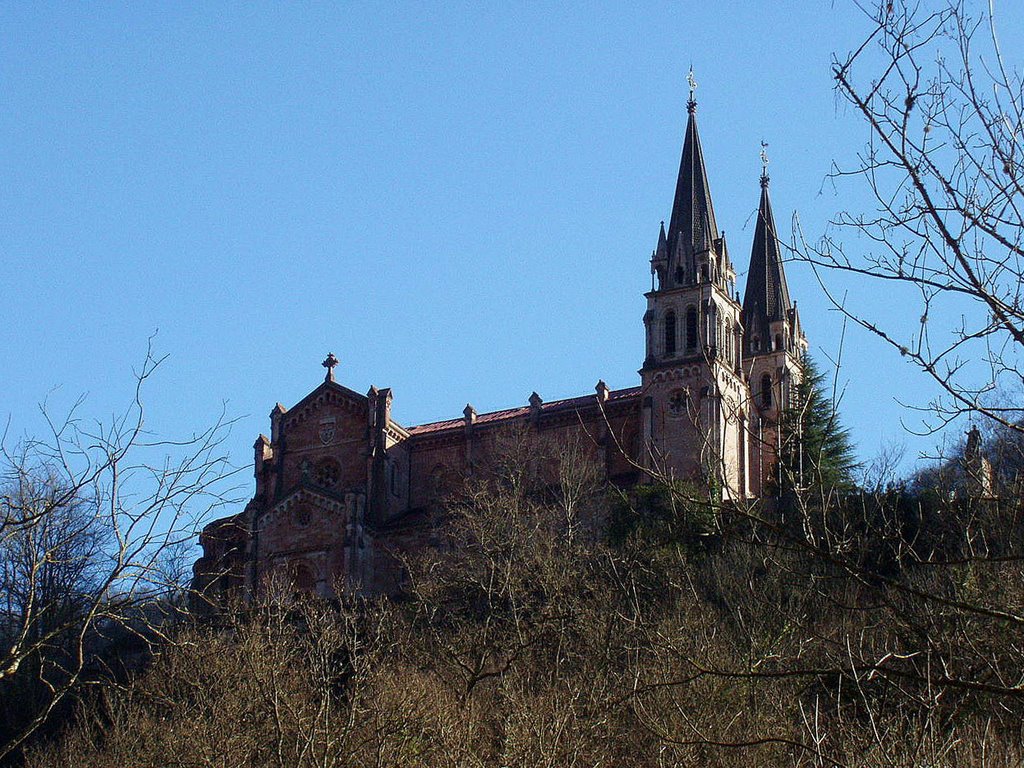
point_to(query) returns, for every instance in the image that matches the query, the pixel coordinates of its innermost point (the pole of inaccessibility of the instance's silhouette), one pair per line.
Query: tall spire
(766, 299)
(692, 224)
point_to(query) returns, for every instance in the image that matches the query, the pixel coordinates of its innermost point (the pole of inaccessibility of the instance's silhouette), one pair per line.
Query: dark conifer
(817, 452)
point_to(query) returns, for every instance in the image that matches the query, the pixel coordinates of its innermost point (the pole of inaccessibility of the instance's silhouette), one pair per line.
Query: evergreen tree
(816, 450)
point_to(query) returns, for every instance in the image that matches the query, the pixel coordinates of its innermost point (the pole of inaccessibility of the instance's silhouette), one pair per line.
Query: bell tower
(694, 406)
(774, 344)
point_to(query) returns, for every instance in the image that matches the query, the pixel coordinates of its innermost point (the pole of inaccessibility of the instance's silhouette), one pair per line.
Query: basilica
(341, 487)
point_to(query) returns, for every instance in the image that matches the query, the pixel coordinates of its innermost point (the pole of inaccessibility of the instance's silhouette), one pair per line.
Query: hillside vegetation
(579, 625)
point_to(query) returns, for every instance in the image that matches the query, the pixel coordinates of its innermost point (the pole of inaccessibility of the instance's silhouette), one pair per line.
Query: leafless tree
(943, 108)
(90, 516)
(292, 680)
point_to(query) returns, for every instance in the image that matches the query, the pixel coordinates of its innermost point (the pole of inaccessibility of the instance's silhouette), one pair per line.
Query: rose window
(677, 402)
(327, 473)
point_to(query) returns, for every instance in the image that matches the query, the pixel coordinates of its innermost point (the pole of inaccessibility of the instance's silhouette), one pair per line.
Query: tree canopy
(816, 449)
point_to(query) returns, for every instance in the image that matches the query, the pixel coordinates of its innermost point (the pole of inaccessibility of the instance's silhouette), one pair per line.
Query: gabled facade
(342, 489)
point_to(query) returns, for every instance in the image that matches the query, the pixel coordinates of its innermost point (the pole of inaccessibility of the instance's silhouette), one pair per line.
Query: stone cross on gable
(329, 362)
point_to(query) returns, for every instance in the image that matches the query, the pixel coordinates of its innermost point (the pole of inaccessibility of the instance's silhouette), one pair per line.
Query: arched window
(727, 341)
(766, 391)
(741, 454)
(778, 341)
(691, 327)
(440, 483)
(755, 344)
(670, 334)
(711, 331)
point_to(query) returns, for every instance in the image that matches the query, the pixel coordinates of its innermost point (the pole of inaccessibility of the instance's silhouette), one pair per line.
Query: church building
(341, 486)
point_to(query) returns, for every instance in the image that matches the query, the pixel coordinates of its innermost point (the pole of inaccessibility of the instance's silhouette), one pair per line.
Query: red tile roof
(509, 414)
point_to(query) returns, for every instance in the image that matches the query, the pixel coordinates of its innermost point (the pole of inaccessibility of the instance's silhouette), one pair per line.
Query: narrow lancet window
(766, 391)
(691, 327)
(670, 334)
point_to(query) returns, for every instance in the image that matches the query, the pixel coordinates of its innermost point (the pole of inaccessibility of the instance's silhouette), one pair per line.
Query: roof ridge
(490, 415)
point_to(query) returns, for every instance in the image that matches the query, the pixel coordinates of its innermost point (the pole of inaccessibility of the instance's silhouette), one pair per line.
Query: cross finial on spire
(691, 105)
(329, 362)
(764, 163)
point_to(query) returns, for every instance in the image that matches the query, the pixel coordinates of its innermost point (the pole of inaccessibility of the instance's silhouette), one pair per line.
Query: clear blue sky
(458, 199)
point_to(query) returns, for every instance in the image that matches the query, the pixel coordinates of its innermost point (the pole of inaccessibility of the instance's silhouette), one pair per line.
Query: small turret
(659, 262)
(275, 422)
(535, 406)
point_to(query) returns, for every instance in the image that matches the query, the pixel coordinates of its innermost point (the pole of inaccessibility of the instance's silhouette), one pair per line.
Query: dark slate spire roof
(766, 299)
(692, 224)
